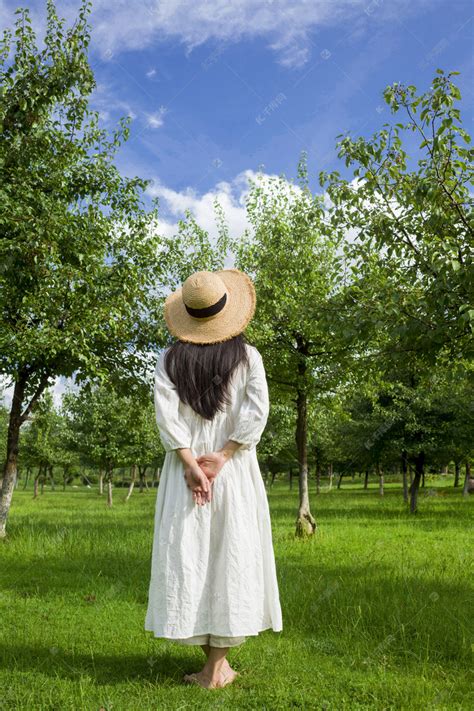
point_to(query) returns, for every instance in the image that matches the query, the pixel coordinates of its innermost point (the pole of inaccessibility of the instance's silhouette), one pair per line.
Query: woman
(213, 576)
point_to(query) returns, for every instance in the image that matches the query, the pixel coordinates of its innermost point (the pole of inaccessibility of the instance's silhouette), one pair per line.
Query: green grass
(377, 607)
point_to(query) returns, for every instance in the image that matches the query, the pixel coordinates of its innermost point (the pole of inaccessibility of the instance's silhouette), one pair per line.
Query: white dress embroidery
(213, 566)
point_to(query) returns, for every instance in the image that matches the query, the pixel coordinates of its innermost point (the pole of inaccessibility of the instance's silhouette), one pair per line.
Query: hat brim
(230, 322)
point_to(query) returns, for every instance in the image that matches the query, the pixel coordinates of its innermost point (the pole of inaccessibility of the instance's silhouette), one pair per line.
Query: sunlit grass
(377, 607)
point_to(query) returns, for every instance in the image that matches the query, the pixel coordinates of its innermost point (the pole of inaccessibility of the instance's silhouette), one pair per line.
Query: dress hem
(218, 634)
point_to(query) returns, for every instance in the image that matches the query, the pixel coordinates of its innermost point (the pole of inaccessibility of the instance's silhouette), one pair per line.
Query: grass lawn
(377, 607)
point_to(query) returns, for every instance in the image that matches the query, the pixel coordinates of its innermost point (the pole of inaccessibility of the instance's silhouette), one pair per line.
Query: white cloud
(151, 73)
(231, 196)
(155, 120)
(286, 25)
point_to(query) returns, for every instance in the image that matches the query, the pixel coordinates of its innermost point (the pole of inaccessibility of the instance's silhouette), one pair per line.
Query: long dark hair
(201, 372)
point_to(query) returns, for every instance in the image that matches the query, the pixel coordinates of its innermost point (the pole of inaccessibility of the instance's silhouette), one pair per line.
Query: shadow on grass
(105, 669)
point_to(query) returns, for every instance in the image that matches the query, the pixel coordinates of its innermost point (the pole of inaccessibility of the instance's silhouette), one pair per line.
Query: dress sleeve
(253, 414)
(174, 432)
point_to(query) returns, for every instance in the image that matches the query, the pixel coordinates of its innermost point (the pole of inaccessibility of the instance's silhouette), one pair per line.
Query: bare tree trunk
(133, 473)
(381, 479)
(457, 472)
(410, 476)
(339, 481)
(143, 481)
(419, 468)
(404, 474)
(11, 462)
(305, 523)
(17, 417)
(109, 487)
(366, 479)
(331, 475)
(101, 482)
(467, 478)
(51, 476)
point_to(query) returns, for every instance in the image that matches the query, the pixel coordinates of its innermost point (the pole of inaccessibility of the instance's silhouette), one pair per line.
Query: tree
(143, 445)
(102, 421)
(292, 259)
(79, 261)
(39, 440)
(412, 222)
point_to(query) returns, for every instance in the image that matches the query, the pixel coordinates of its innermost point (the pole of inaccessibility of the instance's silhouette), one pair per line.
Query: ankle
(213, 668)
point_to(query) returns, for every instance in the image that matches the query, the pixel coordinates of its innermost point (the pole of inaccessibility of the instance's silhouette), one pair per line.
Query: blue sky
(220, 89)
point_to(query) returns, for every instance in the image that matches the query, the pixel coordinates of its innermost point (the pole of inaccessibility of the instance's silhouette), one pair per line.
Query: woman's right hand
(211, 463)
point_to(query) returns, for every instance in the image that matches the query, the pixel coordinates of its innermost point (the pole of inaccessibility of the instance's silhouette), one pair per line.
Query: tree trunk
(339, 481)
(330, 475)
(143, 481)
(410, 476)
(467, 478)
(11, 461)
(109, 487)
(419, 468)
(366, 479)
(381, 481)
(101, 482)
(404, 474)
(51, 476)
(457, 472)
(305, 523)
(133, 472)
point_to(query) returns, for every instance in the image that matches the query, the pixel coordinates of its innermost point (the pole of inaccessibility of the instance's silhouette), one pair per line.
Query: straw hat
(211, 306)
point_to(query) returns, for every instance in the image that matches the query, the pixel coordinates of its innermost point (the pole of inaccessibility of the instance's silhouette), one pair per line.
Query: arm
(251, 421)
(253, 414)
(174, 432)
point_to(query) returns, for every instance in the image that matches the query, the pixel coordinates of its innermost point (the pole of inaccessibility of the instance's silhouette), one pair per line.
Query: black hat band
(207, 310)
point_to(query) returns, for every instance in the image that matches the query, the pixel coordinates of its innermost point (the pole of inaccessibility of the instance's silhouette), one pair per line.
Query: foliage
(78, 258)
(411, 224)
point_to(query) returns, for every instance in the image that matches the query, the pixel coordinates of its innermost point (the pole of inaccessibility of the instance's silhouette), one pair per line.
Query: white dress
(213, 566)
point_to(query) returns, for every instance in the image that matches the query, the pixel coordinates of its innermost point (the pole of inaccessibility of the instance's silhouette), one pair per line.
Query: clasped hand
(200, 477)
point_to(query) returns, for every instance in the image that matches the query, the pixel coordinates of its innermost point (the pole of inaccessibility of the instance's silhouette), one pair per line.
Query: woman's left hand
(198, 482)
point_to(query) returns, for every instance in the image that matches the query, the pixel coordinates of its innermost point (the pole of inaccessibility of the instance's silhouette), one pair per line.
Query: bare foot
(226, 668)
(224, 677)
